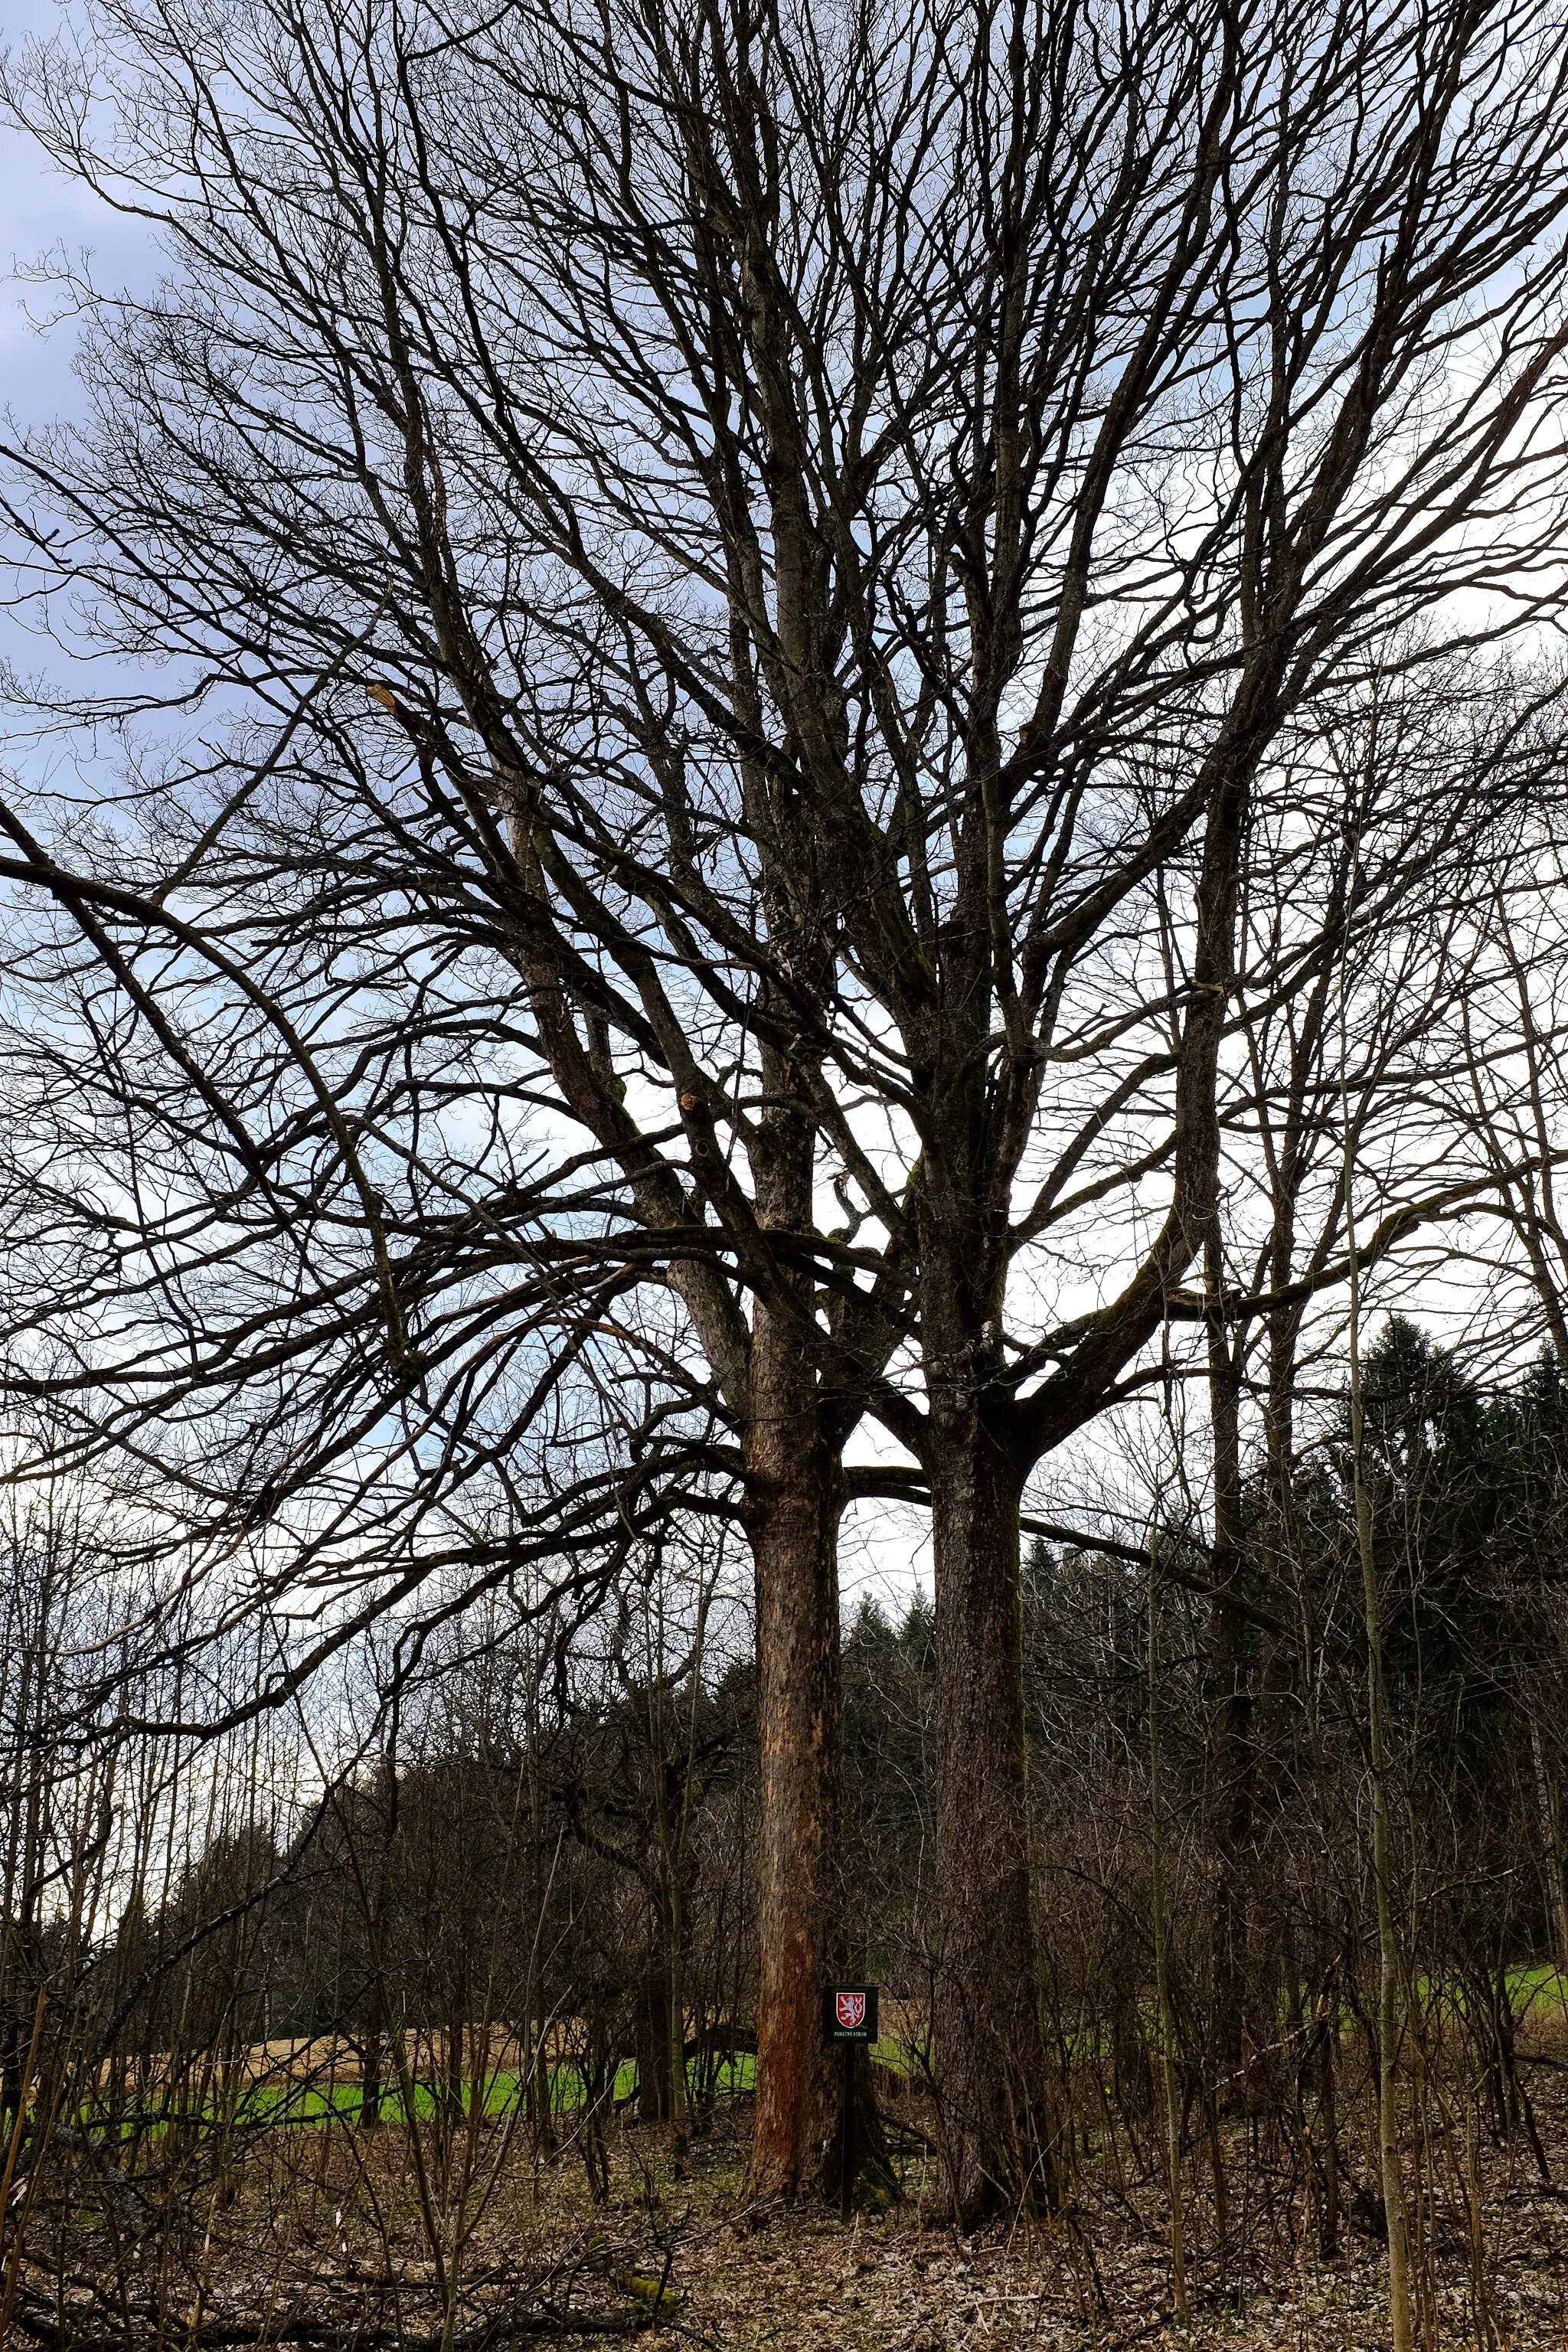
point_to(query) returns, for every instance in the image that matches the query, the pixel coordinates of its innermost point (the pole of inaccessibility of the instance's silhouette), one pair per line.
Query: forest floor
(1096, 2282)
(1099, 2279)
(342, 2242)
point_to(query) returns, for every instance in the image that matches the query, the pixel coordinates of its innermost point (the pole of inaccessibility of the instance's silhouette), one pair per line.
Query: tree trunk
(791, 1507)
(1329, 2231)
(1232, 1746)
(1232, 1767)
(791, 1514)
(990, 2053)
(370, 2066)
(1400, 2322)
(1551, 1842)
(1160, 1923)
(650, 2028)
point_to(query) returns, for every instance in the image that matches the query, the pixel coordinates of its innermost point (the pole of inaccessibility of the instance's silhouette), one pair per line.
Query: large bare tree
(806, 545)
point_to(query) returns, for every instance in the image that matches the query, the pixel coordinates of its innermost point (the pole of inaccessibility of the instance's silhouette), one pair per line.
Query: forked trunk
(990, 2050)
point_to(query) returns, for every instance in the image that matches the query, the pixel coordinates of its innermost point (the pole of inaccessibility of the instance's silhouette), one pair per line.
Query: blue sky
(41, 208)
(44, 211)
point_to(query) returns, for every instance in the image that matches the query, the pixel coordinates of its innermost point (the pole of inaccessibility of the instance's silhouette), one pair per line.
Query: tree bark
(991, 2052)
(791, 1514)
(651, 2035)
(791, 1508)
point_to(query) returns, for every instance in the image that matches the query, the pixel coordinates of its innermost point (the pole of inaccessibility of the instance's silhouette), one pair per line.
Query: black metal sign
(849, 2013)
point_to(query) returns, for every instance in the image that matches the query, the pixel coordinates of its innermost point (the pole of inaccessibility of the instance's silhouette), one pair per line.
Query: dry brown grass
(341, 2239)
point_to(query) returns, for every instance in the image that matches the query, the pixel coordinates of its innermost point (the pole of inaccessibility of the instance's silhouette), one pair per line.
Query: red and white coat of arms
(850, 2009)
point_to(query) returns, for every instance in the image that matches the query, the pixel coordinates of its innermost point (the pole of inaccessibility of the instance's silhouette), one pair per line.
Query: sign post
(848, 2018)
